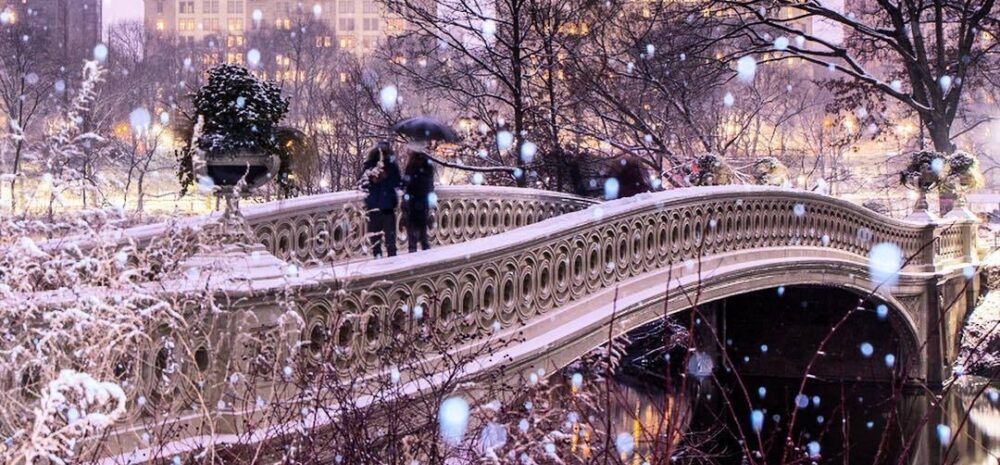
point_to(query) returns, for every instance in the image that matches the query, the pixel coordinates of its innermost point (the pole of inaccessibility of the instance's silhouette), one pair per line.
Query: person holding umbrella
(380, 179)
(418, 176)
(418, 196)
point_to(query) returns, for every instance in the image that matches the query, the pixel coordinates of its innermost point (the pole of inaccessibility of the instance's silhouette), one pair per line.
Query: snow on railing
(332, 227)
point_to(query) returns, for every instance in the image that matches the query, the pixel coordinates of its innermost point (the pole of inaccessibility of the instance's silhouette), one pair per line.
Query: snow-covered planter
(963, 172)
(770, 171)
(237, 130)
(710, 170)
(925, 171)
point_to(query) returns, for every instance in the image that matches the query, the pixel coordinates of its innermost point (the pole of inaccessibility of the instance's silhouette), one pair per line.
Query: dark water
(840, 423)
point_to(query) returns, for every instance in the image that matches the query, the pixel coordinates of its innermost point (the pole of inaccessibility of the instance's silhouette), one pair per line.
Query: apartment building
(355, 25)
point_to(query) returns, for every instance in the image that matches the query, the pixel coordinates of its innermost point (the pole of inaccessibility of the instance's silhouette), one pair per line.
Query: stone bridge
(558, 274)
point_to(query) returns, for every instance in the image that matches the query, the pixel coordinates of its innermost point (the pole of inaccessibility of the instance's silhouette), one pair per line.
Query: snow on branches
(71, 406)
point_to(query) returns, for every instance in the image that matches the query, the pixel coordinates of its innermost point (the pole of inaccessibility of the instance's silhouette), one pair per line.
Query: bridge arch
(567, 334)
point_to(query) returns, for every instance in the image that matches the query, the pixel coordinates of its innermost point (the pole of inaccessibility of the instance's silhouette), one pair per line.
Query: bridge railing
(507, 280)
(500, 283)
(515, 277)
(332, 227)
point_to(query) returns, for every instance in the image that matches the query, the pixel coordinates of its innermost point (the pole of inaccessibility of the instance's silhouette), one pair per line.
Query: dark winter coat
(419, 184)
(382, 189)
(631, 179)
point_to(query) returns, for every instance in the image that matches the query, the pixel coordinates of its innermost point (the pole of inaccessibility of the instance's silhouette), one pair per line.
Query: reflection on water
(837, 423)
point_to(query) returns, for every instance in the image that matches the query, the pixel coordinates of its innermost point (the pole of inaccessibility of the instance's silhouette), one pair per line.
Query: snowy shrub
(86, 334)
(71, 407)
(240, 111)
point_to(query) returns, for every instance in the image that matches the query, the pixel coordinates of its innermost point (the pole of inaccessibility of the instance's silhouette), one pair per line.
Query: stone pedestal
(234, 258)
(921, 211)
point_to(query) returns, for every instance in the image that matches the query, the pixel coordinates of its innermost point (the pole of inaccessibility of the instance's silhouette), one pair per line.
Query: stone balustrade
(513, 278)
(332, 227)
(481, 286)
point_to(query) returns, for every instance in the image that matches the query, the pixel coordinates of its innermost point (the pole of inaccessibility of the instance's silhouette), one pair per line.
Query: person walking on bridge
(418, 197)
(380, 179)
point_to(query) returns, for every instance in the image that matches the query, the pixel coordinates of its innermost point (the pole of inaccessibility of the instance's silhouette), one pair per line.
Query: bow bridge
(559, 274)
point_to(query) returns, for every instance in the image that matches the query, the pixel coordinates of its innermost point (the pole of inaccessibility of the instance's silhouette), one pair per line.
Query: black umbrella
(425, 128)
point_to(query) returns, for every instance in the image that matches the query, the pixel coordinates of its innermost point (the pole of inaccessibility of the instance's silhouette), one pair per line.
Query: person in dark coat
(381, 178)
(418, 178)
(631, 178)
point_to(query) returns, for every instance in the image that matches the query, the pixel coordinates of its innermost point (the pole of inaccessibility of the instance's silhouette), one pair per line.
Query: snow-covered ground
(979, 353)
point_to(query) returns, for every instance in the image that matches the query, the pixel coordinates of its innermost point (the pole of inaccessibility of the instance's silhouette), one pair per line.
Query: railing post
(968, 222)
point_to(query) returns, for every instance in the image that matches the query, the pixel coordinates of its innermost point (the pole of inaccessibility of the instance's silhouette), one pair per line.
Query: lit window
(394, 25)
(160, 25)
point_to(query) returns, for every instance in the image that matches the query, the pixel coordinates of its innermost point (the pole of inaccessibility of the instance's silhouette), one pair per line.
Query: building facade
(354, 25)
(72, 28)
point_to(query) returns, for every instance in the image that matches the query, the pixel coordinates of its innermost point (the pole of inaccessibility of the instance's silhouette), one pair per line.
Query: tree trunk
(140, 194)
(13, 182)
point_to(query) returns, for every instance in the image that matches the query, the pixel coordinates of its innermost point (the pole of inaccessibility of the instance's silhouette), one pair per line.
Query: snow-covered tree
(26, 83)
(935, 58)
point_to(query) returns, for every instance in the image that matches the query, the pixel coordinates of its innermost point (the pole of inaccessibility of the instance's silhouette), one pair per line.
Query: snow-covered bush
(72, 406)
(240, 111)
(82, 325)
